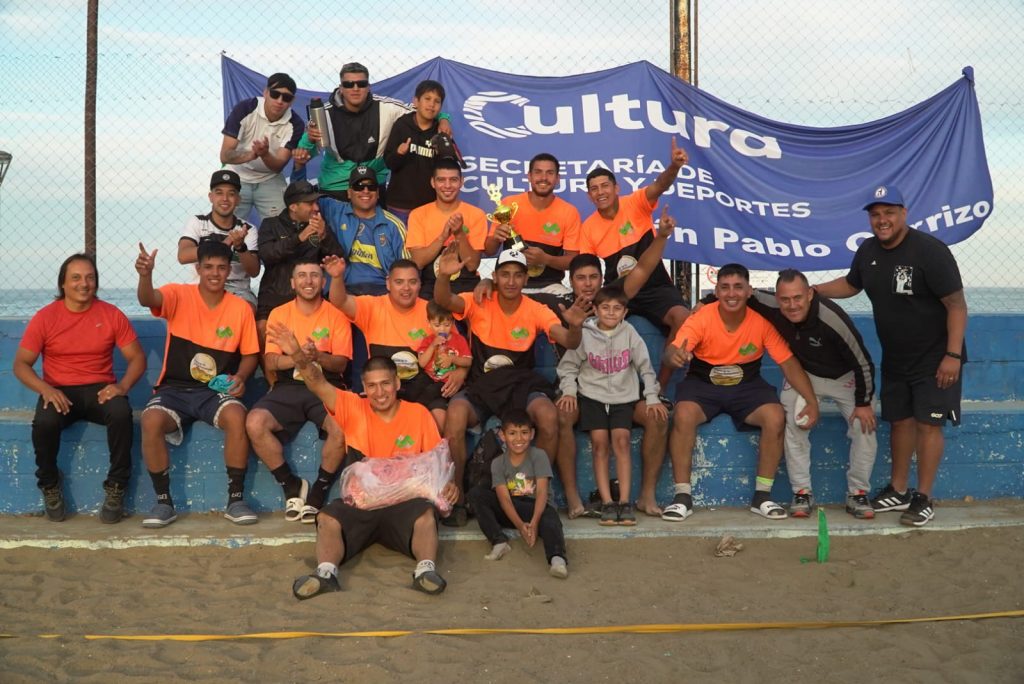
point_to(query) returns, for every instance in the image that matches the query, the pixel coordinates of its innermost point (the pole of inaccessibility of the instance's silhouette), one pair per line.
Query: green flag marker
(823, 543)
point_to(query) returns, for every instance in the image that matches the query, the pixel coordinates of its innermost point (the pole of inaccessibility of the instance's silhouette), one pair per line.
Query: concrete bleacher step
(984, 457)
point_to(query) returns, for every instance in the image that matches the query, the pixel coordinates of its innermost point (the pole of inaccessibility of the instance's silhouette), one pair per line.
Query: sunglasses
(281, 95)
(355, 84)
(359, 187)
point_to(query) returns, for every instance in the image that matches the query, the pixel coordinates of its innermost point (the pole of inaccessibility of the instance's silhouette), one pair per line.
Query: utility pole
(683, 51)
(90, 127)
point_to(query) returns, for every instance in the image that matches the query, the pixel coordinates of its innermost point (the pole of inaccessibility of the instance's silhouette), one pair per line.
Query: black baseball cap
(226, 177)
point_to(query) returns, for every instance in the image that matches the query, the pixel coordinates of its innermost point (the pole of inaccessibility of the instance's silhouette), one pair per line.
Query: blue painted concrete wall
(984, 457)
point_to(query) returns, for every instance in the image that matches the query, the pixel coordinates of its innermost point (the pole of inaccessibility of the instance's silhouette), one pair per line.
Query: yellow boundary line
(557, 631)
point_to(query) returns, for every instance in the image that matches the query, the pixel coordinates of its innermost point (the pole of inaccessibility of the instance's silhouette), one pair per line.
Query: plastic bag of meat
(379, 482)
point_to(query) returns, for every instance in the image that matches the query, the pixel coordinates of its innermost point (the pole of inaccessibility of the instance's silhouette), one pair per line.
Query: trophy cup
(503, 214)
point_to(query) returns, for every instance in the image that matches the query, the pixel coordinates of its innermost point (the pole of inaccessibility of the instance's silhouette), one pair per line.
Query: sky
(160, 112)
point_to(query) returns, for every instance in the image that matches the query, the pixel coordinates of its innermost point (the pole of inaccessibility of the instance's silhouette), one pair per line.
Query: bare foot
(576, 508)
(648, 507)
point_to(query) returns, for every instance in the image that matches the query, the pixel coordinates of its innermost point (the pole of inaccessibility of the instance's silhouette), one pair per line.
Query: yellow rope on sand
(611, 629)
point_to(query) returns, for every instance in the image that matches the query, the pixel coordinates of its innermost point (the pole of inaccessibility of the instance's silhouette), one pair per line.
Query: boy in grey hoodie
(602, 373)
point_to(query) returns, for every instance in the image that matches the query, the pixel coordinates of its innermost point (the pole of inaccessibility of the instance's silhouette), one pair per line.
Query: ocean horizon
(23, 303)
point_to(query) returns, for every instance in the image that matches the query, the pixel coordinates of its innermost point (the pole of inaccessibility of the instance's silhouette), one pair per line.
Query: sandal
(769, 509)
(429, 582)
(293, 506)
(308, 586)
(308, 514)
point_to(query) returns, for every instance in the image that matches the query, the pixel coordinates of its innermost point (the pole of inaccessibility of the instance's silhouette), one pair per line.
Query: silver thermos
(318, 117)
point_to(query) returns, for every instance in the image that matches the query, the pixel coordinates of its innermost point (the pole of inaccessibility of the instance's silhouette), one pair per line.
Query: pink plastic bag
(379, 482)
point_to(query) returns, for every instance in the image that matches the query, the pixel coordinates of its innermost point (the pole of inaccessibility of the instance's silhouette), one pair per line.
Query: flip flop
(770, 510)
(293, 506)
(308, 515)
(429, 583)
(308, 586)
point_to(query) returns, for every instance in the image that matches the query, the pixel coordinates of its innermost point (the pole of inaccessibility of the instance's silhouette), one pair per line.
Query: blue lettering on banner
(760, 192)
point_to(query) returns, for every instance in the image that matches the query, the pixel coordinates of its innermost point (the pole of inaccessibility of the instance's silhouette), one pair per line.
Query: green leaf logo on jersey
(519, 333)
(748, 349)
(551, 228)
(417, 334)
(404, 442)
(319, 334)
(225, 332)
(626, 229)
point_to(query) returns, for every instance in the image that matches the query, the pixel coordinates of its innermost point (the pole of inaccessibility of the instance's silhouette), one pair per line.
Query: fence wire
(159, 108)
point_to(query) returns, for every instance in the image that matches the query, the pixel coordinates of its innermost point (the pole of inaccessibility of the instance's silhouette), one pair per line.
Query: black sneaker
(609, 514)
(53, 503)
(919, 513)
(626, 515)
(888, 499)
(113, 504)
(459, 517)
(803, 502)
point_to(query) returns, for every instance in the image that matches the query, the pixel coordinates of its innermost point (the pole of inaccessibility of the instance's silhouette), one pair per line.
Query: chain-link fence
(160, 110)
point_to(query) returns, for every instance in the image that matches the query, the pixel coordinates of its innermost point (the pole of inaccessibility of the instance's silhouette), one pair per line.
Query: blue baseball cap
(886, 194)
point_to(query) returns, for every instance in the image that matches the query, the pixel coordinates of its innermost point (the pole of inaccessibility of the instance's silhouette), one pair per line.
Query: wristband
(954, 355)
(444, 116)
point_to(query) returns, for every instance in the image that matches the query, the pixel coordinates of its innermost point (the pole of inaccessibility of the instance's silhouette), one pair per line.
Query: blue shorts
(187, 405)
(737, 401)
(482, 413)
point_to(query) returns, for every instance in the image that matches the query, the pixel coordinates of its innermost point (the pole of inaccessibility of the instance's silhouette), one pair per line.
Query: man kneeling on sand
(377, 426)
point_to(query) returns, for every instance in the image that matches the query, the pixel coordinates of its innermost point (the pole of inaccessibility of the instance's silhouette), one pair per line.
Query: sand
(613, 582)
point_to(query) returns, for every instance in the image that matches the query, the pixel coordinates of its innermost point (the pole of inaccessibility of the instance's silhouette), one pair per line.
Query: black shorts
(597, 416)
(390, 526)
(736, 401)
(292, 405)
(921, 399)
(653, 302)
(422, 389)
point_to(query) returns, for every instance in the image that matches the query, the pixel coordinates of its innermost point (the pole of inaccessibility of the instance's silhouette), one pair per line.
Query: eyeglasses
(359, 187)
(355, 84)
(281, 95)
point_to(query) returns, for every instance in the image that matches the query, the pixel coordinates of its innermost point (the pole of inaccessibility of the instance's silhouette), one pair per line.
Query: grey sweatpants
(863, 447)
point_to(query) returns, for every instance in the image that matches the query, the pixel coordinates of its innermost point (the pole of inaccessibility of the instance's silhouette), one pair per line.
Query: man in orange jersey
(619, 232)
(445, 221)
(283, 410)
(395, 326)
(548, 225)
(501, 377)
(211, 351)
(378, 426)
(723, 343)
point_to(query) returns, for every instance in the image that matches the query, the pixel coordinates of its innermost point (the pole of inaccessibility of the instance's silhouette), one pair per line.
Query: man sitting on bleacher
(395, 326)
(723, 343)
(76, 335)
(501, 377)
(285, 409)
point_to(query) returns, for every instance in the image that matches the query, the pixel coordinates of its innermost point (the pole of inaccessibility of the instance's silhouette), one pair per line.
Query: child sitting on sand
(518, 497)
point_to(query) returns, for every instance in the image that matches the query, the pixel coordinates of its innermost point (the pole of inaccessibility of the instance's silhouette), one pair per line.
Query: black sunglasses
(355, 84)
(359, 187)
(281, 95)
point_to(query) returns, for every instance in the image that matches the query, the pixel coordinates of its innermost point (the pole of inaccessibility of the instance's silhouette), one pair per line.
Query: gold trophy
(503, 214)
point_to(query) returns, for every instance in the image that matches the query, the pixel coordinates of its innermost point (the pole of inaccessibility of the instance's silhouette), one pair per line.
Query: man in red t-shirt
(211, 351)
(723, 344)
(379, 425)
(76, 336)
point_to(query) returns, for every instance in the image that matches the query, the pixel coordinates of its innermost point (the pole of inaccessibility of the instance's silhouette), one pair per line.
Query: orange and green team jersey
(500, 339)
(203, 342)
(327, 327)
(712, 345)
(412, 430)
(393, 333)
(427, 222)
(555, 230)
(621, 240)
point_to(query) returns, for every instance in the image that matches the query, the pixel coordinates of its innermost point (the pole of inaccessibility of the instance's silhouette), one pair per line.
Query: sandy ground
(613, 582)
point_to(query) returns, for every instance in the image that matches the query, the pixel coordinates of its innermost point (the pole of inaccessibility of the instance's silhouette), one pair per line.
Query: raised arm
(651, 257)
(427, 253)
(279, 334)
(449, 265)
(666, 178)
(146, 293)
(338, 295)
(570, 334)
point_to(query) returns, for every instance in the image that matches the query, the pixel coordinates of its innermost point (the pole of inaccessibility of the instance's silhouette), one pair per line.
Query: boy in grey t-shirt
(518, 497)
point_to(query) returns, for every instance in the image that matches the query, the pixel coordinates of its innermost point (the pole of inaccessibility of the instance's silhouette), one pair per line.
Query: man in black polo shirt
(920, 313)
